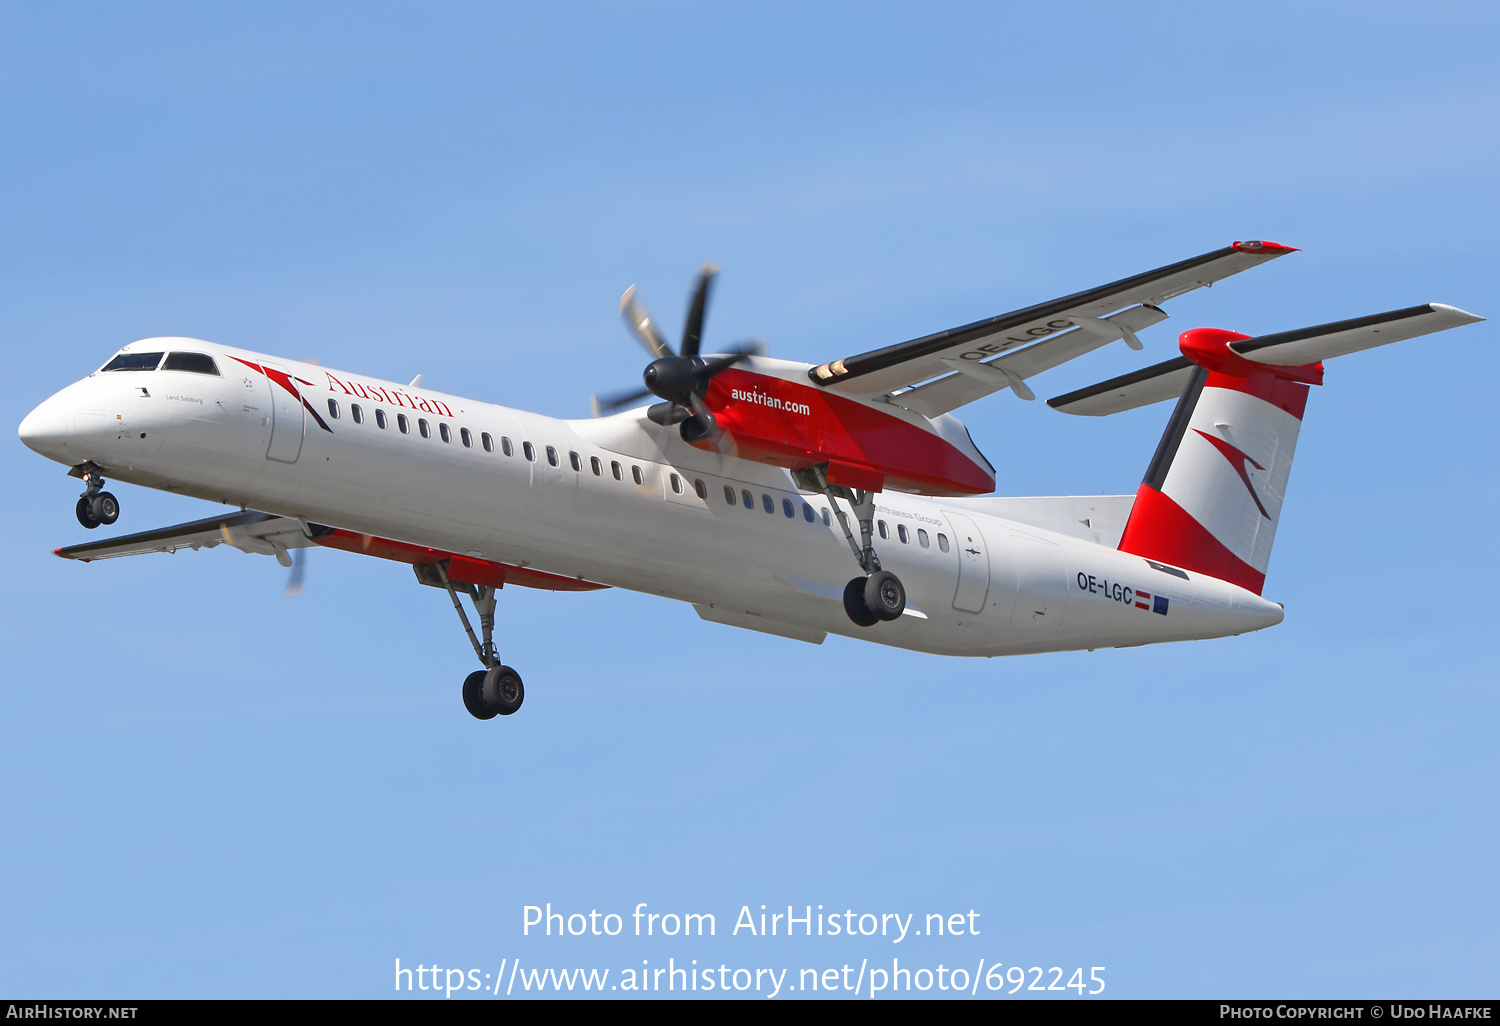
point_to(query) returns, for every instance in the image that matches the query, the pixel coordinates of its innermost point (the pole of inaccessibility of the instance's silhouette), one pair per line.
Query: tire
(854, 604)
(85, 511)
(884, 596)
(106, 508)
(473, 701)
(502, 691)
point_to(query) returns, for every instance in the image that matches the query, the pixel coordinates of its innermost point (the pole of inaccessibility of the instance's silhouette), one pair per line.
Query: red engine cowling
(788, 424)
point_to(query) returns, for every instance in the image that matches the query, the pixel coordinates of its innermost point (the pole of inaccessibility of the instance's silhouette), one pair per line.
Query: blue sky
(212, 790)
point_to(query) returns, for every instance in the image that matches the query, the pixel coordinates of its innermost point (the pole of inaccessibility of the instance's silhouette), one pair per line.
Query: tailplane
(1212, 496)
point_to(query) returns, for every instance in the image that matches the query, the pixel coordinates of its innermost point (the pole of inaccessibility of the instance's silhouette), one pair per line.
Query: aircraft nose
(46, 428)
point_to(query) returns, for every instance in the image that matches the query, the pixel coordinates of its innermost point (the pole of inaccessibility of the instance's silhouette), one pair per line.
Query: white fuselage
(981, 585)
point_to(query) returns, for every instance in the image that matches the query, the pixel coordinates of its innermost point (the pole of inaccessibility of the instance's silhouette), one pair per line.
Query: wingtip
(1463, 315)
(1262, 246)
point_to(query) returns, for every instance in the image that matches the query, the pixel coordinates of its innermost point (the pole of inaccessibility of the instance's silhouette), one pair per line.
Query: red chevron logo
(1237, 460)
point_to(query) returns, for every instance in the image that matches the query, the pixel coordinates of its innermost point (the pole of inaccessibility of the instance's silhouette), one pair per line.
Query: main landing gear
(95, 507)
(495, 690)
(880, 595)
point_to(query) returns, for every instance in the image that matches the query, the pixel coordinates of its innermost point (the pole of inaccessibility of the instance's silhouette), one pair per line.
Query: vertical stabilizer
(1211, 499)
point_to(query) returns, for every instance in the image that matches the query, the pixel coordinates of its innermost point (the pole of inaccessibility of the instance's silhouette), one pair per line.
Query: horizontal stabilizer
(1166, 380)
(248, 530)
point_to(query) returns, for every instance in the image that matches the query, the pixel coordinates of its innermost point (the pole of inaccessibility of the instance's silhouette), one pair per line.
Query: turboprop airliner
(754, 486)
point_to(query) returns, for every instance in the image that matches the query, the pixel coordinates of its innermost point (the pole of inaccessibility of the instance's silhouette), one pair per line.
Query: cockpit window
(134, 361)
(197, 363)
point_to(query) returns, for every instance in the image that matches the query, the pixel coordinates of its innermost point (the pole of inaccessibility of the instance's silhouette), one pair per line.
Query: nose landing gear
(495, 690)
(94, 507)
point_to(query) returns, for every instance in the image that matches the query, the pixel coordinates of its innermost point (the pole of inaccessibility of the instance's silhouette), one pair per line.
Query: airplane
(755, 485)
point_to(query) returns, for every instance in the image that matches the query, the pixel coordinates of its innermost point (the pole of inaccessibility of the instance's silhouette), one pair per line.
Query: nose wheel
(95, 506)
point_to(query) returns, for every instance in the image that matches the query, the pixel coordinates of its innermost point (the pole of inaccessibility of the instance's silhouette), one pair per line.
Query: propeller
(681, 379)
(299, 571)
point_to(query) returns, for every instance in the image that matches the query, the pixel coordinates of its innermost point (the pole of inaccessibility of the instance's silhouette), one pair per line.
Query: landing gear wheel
(854, 603)
(473, 699)
(502, 690)
(106, 508)
(86, 515)
(884, 596)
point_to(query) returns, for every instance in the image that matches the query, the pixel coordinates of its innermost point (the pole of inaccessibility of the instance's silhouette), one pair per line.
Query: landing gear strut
(495, 690)
(95, 507)
(880, 595)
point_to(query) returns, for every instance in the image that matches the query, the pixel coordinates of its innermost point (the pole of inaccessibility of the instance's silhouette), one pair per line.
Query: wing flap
(249, 531)
(883, 371)
(960, 389)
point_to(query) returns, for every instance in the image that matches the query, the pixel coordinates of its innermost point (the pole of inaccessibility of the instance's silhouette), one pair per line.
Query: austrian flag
(1157, 604)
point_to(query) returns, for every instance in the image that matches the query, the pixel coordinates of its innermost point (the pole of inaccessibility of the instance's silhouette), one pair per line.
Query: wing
(1002, 352)
(249, 531)
(1287, 349)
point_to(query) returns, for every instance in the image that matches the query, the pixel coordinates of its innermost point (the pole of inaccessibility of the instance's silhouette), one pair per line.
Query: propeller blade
(641, 326)
(715, 364)
(692, 332)
(707, 424)
(618, 401)
(299, 571)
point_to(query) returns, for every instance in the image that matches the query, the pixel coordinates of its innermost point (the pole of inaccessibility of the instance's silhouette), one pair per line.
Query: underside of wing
(977, 359)
(248, 530)
(1166, 380)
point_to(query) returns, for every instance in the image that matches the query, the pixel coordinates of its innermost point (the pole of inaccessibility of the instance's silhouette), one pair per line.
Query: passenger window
(614, 468)
(807, 513)
(134, 362)
(596, 466)
(747, 498)
(884, 531)
(529, 450)
(575, 460)
(922, 539)
(402, 424)
(635, 472)
(444, 433)
(333, 408)
(196, 363)
(506, 447)
(765, 501)
(380, 418)
(901, 533)
(551, 455)
(942, 542)
(357, 413)
(729, 495)
(789, 509)
(486, 441)
(424, 428)
(466, 438)
(701, 489)
(827, 521)
(676, 484)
